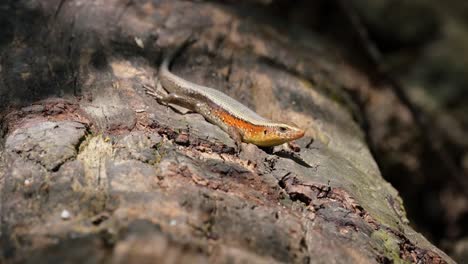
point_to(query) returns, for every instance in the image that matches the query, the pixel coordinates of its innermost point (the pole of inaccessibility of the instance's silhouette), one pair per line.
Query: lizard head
(277, 134)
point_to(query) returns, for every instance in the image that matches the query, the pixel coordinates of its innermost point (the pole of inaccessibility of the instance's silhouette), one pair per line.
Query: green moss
(159, 153)
(389, 245)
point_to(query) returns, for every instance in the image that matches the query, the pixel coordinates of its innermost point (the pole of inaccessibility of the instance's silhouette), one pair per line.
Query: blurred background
(415, 111)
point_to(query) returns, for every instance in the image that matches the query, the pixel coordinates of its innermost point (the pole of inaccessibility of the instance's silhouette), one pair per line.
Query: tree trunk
(93, 170)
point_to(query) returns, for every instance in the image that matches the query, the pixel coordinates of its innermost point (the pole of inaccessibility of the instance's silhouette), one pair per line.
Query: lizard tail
(171, 55)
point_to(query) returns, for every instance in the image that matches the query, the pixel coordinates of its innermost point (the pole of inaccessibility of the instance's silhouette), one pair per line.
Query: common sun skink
(240, 122)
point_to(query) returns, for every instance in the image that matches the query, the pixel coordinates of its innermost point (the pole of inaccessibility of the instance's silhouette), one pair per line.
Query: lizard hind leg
(180, 104)
(155, 93)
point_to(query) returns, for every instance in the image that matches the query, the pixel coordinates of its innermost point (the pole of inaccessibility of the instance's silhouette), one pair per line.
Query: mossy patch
(390, 245)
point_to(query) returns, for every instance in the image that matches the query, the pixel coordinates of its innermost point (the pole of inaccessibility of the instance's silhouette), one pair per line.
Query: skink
(240, 122)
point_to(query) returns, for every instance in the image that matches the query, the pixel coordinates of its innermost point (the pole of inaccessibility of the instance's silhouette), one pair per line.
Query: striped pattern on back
(227, 103)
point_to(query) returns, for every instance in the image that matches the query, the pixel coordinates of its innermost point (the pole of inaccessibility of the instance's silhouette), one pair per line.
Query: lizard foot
(159, 96)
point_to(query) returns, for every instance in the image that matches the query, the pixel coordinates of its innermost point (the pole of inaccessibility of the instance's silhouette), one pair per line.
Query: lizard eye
(283, 129)
(264, 132)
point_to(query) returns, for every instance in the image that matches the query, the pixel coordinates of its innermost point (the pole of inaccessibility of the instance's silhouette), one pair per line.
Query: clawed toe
(151, 91)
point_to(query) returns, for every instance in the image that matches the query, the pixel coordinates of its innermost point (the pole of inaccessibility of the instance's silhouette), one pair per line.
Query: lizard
(240, 122)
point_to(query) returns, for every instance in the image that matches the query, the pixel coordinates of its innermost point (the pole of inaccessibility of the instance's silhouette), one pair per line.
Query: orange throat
(256, 134)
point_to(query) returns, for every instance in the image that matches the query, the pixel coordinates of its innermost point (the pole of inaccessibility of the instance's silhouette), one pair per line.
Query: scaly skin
(241, 123)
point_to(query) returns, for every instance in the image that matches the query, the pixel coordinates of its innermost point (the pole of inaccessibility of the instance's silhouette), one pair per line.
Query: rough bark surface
(142, 183)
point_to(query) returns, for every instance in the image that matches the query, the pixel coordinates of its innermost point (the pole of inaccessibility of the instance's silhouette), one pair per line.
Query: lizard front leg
(206, 111)
(235, 134)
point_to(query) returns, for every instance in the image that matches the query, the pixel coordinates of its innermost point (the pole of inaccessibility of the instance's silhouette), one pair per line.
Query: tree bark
(93, 170)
